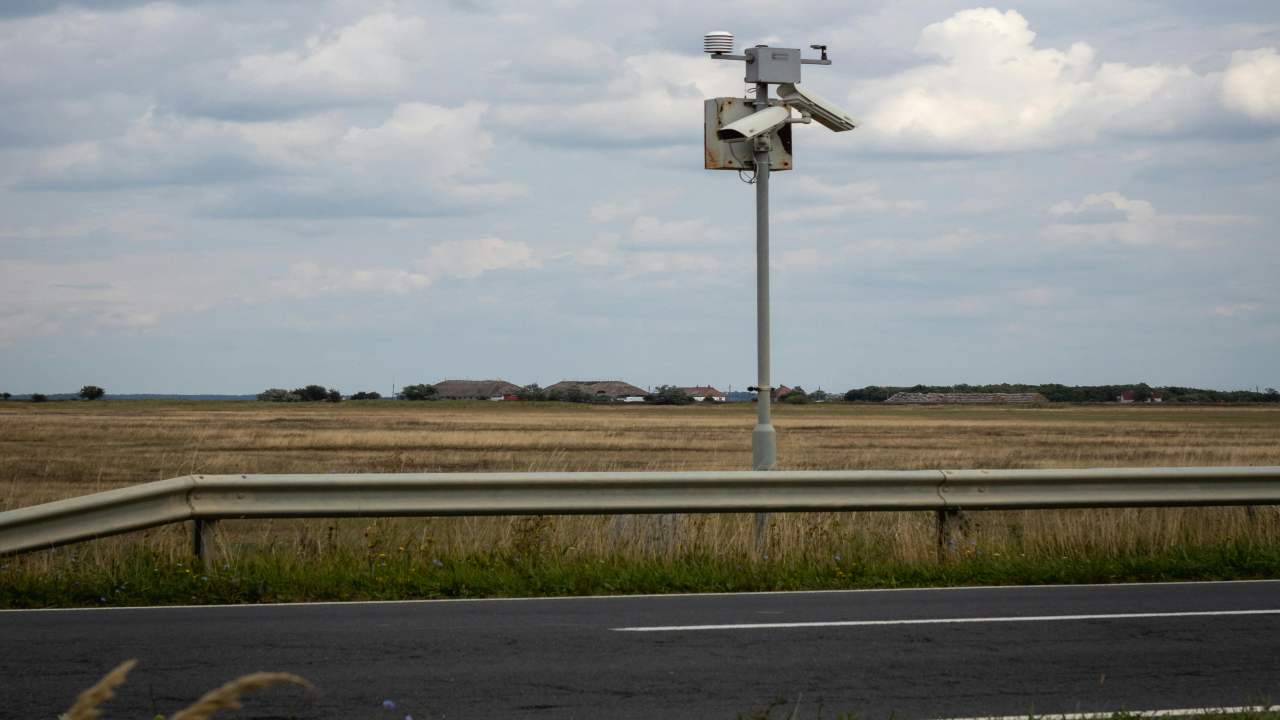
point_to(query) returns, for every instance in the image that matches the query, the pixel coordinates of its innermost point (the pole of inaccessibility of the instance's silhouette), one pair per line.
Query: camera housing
(827, 113)
(757, 123)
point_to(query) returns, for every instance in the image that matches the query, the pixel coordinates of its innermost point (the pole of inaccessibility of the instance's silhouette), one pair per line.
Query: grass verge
(143, 577)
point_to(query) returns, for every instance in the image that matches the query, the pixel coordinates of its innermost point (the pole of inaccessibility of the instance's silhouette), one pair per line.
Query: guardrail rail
(206, 498)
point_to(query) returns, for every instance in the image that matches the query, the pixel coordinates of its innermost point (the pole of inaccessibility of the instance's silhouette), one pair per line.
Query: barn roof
(474, 388)
(611, 388)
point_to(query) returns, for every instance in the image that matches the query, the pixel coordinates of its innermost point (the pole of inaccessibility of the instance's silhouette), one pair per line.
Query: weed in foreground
(226, 697)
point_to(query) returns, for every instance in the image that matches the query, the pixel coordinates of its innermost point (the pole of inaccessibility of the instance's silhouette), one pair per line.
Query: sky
(220, 197)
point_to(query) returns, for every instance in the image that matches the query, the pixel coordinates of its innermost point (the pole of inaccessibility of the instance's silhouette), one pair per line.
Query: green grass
(143, 577)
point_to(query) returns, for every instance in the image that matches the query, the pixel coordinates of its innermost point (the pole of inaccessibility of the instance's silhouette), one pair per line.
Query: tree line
(1056, 392)
(672, 395)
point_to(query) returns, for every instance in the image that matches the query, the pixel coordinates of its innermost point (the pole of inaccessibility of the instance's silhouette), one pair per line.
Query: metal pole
(764, 447)
(764, 441)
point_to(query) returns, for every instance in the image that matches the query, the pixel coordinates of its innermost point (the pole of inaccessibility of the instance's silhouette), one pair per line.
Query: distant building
(1128, 396)
(475, 389)
(615, 389)
(913, 398)
(705, 392)
(782, 391)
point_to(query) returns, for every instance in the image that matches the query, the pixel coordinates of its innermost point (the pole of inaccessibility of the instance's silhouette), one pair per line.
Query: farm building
(616, 389)
(475, 389)
(704, 392)
(905, 398)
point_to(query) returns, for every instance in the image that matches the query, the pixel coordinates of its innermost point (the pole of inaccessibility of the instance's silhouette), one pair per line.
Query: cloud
(422, 159)
(156, 149)
(22, 324)
(374, 58)
(607, 211)
(1112, 218)
(822, 201)
(462, 259)
(650, 232)
(1251, 84)
(307, 278)
(1234, 309)
(471, 258)
(993, 90)
(645, 100)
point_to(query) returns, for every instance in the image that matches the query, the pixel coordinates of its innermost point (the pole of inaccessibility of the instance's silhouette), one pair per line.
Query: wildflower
(389, 704)
(437, 563)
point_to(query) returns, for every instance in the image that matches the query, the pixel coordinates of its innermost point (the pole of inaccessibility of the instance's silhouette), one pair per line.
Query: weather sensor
(753, 133)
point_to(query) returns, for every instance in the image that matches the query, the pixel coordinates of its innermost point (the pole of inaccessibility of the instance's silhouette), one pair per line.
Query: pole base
(764, 448)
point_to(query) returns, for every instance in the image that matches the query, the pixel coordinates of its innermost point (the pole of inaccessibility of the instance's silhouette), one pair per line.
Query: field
(57, 450)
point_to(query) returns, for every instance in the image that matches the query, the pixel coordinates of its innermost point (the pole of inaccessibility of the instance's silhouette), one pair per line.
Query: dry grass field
(57, 450)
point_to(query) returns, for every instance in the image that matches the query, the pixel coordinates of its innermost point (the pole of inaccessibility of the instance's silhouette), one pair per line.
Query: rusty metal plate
(721, 155)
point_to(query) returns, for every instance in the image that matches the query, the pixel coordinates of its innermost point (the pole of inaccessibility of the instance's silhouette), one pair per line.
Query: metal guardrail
(215, 497)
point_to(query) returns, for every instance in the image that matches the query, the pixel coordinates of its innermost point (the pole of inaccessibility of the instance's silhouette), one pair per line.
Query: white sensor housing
(717, 41)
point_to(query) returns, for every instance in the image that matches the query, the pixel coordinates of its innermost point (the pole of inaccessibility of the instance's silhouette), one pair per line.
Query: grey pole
(764, 442)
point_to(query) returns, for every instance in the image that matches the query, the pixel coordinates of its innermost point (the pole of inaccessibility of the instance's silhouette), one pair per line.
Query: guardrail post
(202, 530)
(952, 523)
(762, 534)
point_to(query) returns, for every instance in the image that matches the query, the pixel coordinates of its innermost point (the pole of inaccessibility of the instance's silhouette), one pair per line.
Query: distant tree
(5, 396)
(870, 393)
(39, 397)
(797, 396)
(333, 396)
(367, 395)
(91, 392)
(279, 395)
(312, 393)
(1269, 395)
(418, 392)
(818, 395)
(669, 395)
(570, 394)
(531, 392)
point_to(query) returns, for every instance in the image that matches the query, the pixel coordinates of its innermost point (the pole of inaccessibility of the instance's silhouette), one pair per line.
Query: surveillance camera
(757, 123)
(822, 110)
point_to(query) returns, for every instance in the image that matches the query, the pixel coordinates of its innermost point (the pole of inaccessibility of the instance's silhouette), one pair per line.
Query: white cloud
(462, 259)
(19, 325)
(647, 231)
(420, 159)
(372, 58)
(1103, 218)
(821, 201)
(471, 258)
(564, 59)
(994, 90)
(608, 211)
(646, 100)
(1234, 309)
(1251, 84)
(666, 263)
(307, 278)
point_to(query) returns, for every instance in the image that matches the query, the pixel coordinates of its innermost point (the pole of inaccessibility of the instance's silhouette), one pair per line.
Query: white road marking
(1180, 712)
(943, 621)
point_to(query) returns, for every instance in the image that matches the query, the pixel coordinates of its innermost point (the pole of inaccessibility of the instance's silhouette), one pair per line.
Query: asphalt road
(912, 653)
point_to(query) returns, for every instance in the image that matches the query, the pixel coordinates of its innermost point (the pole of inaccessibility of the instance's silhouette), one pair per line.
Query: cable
(751, 181)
